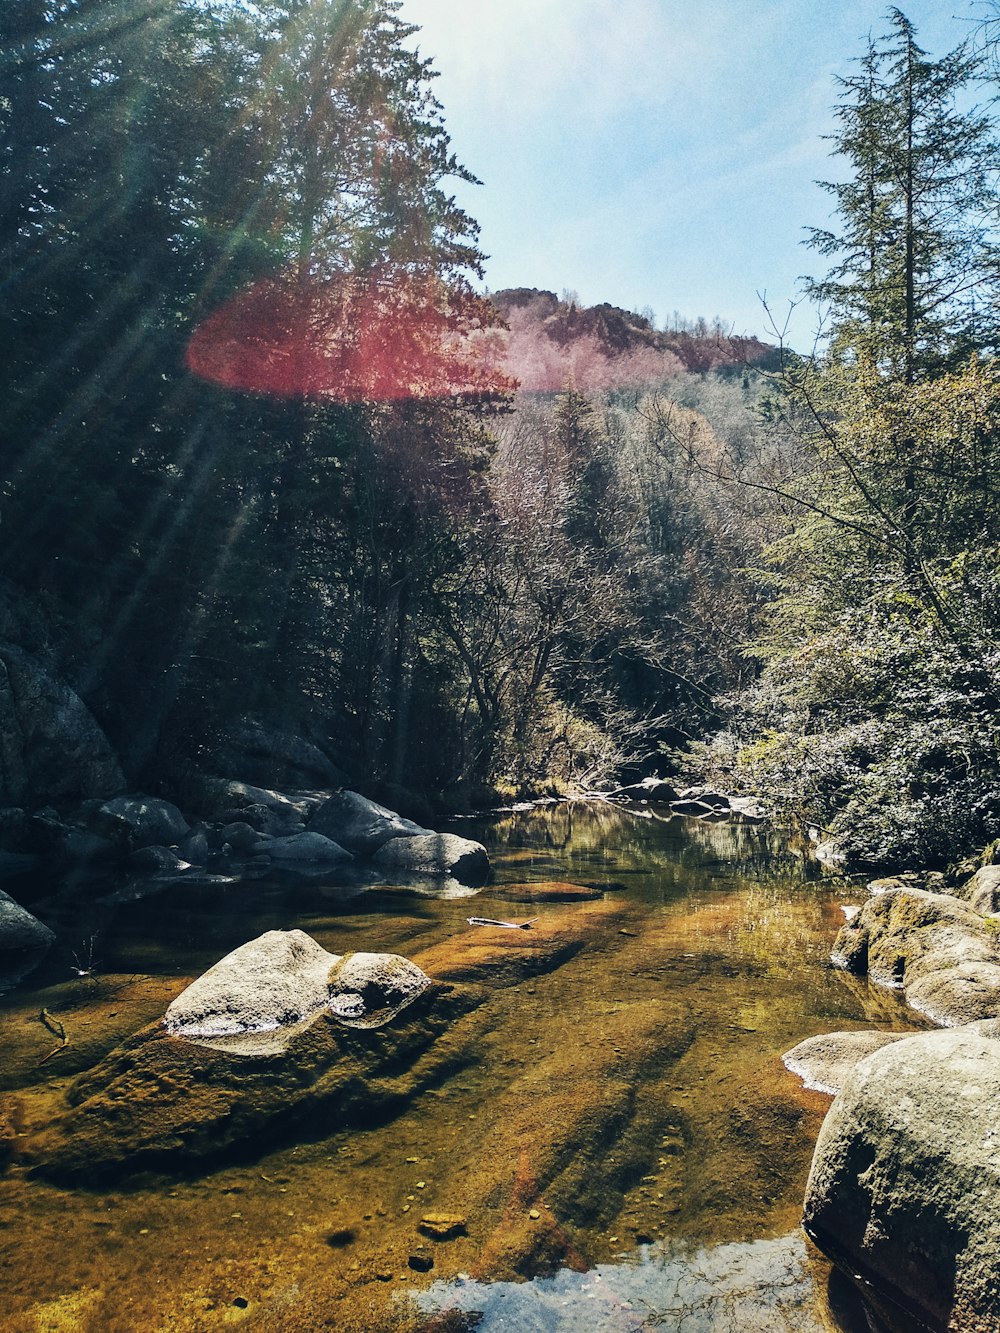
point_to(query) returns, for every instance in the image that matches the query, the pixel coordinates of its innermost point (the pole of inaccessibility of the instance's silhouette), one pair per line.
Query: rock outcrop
(51, 747)
(903, 1188)
(933, 946)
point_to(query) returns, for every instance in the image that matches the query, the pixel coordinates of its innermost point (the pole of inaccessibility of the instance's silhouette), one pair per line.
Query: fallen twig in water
(57, 1030)
(507, 925)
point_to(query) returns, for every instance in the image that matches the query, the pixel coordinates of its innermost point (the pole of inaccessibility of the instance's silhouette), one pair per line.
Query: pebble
(420, 1263)
(534, 1214)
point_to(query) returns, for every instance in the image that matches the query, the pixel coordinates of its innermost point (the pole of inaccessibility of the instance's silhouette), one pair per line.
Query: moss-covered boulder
(905, 1178)
(940, 951)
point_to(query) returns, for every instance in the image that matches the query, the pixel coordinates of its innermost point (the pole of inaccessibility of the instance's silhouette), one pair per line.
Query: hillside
(552, 342)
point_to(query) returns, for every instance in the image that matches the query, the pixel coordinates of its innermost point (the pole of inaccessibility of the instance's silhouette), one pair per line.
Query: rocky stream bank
(904, 1185)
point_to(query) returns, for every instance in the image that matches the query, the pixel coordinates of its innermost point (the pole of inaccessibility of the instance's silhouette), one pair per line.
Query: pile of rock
(701, 802)
(904, 1182)
(244, 832)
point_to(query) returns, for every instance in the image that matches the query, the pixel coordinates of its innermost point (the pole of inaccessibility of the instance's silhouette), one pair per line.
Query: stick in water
(507, 925)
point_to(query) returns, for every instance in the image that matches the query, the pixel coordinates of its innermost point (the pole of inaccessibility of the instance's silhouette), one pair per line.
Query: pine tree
(916, 278)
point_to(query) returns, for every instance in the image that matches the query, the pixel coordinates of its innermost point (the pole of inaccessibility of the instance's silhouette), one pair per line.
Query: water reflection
(764, 1286)
(621, 1109)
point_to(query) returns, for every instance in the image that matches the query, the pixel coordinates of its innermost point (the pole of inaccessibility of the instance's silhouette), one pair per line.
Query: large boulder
(24, 941)
(51, 748)
(20, 932)
(257, 751)
(438, 855)
(360, 825)
(934, 947)
(825, 1062)
(140, 821)
(905, 1178)
(270, 988)
(982, 891)
(302, 853)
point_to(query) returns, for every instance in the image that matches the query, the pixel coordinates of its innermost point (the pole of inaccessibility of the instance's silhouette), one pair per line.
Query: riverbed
(620, 1148)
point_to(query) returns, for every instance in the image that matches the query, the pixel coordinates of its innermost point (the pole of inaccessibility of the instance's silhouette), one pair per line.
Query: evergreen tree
(916, 278)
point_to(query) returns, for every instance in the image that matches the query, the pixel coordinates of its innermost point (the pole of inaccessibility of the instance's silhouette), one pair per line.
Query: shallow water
(623, 1144)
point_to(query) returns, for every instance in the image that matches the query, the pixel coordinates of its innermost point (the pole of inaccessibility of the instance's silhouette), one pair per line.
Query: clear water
(625, 1148)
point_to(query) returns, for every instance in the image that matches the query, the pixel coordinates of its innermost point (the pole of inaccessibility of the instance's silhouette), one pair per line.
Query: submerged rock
(546, 891)
(443, 855)
(160, 1102)
(499, 957)
(903, 1188)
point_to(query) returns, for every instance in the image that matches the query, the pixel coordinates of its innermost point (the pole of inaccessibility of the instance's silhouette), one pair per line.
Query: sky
(656, 154)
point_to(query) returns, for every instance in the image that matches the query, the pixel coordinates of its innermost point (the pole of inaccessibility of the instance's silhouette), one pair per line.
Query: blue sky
(658, 153)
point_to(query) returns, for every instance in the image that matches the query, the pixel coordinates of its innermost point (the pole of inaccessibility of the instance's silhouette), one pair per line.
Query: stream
(617, 1145)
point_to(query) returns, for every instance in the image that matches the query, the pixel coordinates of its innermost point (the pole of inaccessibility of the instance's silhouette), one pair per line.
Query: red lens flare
(350, 340)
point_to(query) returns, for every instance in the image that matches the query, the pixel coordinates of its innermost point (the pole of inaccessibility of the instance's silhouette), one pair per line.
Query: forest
(271, 458)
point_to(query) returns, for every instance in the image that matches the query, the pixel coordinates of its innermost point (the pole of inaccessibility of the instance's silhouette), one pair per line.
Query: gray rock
(194, 847)
(707, 796)
(905, 1177)
(155, 860)
(20, 932)
(982, 891)
(51, 748)
(276, 821)
(695, 807)
(305, 851)
(366, 990)
(243, 839)
(442, 855)
(934, 947)
(274, 981)
(747, 809)
(218, 798)
(830, 854)
(360, 825)
(824, 1062)
(141, 821)
(262, 995)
